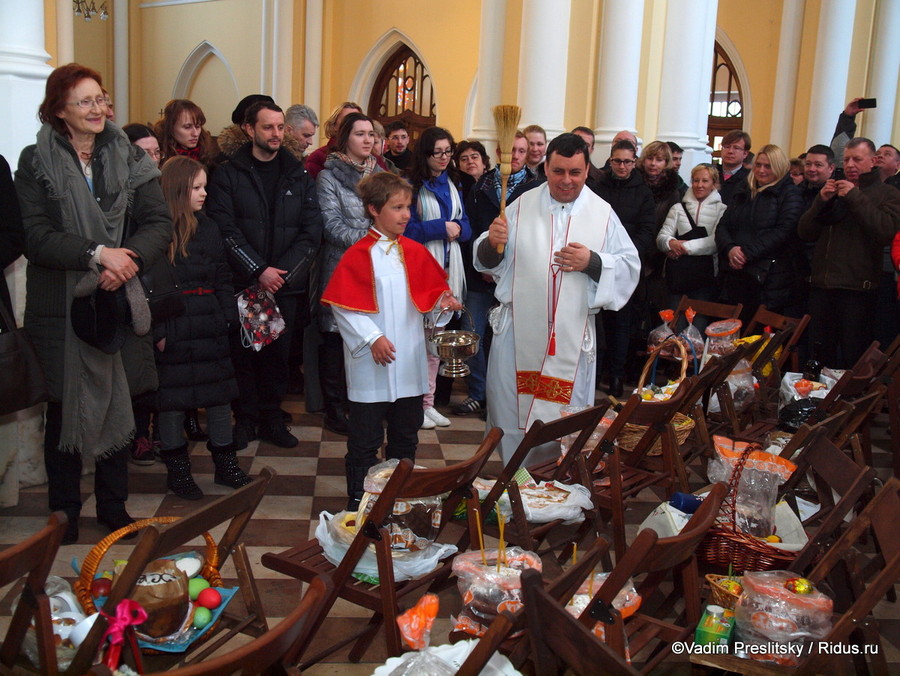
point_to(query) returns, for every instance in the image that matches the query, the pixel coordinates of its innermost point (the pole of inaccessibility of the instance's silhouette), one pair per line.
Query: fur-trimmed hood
(231, 138)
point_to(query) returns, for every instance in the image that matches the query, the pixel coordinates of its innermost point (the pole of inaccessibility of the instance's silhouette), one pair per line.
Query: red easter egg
(209, 598)
(101, 587)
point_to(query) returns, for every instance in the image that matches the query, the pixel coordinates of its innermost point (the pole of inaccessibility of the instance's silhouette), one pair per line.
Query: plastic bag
(796, 413)
(261, 320)
(661, 333)
(335, 533)
(722, 336)
(742, 385)
(692, 340)
(729, 451)
(554, 500)
(413, 524)
(768, 612)
(490, 588)
(755, 505)
(794, 386)
(566, 442)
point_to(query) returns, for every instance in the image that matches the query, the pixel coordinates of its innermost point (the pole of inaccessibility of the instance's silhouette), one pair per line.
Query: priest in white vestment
(565, 256)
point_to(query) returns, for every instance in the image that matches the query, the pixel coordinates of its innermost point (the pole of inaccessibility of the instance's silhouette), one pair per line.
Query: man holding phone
(846, 126)
(851, 220)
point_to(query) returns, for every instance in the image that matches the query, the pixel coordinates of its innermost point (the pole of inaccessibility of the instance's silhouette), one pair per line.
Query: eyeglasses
(87, 104)
(441, 153)
(621, 163)
(155, 154)
(734, 147)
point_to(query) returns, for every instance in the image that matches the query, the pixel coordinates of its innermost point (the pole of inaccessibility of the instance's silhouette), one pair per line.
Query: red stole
(352, 286)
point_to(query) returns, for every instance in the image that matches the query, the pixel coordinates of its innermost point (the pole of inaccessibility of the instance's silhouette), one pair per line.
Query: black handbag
(23, 384)
(164, 294)
(689, 273)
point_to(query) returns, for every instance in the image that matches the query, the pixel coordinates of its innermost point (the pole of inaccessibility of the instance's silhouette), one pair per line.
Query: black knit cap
(237, 117)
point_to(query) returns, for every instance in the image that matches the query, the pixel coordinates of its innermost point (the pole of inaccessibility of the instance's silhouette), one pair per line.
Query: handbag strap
(693, 223)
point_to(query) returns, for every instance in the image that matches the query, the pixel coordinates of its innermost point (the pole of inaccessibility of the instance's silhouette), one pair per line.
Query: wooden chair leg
(894, 418)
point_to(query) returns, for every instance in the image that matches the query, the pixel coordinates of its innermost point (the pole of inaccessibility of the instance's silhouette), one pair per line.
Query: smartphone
(866, 103)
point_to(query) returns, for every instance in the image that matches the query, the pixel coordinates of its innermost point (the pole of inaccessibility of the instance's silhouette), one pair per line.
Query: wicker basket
(720, 595)
(725, 545)
(632, 433)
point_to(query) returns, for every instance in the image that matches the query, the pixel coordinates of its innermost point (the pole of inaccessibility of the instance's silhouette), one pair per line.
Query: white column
(884, 72)
(65, 32)
(312, 58)
(786, 74)
(618, 71)
(543, 61)
(490, 71)
(686, 72)
(830, 69)
(23, 71)
(282, 53)
(120, 60)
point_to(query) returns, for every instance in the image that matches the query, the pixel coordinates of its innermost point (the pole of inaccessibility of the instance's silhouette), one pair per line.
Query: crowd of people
(559, 288)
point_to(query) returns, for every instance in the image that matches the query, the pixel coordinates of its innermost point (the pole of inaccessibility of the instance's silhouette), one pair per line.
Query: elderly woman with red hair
(79, 186)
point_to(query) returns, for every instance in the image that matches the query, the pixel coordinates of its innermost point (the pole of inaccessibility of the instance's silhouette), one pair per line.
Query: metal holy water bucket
(453, 348)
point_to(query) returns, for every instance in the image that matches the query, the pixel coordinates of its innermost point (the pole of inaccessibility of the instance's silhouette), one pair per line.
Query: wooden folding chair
(156, 540)
(768, 359)
(707, 308)
(307, 560)
(872, 576)
(840, 483)
(520, 532)
(32, 557)
(649, 633)
(556, 636)
(626, 474)
(764, 317)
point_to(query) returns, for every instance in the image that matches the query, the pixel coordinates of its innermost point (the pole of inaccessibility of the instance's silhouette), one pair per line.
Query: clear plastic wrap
(566, 442)
(722, 336)
(691, 338)
(662, 332)
(488, 589)
(413, 524)
(742, 385)
(768, 612)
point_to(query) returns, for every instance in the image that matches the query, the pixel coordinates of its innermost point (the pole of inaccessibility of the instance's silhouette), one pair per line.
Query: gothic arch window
(403, 91)
(726, 108)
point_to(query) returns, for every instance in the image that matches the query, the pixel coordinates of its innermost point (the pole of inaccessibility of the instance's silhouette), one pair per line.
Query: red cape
(352, 285)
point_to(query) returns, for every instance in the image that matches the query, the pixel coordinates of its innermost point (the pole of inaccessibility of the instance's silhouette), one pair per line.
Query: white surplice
(618, 279)
(399, 321)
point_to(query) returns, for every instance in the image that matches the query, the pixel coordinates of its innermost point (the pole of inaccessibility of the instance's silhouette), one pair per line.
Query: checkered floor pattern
(310, 480)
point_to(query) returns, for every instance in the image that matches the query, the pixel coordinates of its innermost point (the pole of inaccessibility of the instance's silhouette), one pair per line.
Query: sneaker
(438, 419)
(242, 434)
(278, 434)
(427, 423)
(469, 407)
(142, 452)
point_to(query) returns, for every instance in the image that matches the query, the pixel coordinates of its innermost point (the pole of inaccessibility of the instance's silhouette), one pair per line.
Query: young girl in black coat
(192, 352)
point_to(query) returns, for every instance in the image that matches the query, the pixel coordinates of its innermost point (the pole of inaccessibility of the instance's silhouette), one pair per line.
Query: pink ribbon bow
(128, 613)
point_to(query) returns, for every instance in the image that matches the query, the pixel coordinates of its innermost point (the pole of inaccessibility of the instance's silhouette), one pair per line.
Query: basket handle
(653, 357)
(729, 504)
(82, 585)
(441, 314)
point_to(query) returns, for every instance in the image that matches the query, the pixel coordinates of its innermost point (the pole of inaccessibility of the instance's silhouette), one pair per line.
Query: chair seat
(307, 560)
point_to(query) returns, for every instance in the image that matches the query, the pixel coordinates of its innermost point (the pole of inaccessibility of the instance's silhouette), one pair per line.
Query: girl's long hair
(177, 180)
(165, 126)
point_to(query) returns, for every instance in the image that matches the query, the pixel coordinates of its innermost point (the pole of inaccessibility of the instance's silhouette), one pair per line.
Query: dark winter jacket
(344, 223)
(52, 251)
(765, 229)
(737, 180)
(195, 369)
(238, 205)
(850, 234)
(12, 238)
(665, 194)
(482, 207)
(633, 203)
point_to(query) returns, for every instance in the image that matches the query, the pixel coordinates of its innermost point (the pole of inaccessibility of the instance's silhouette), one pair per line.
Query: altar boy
(379, 291)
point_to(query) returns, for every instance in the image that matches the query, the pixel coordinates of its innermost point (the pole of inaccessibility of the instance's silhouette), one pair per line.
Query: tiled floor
(310, 480)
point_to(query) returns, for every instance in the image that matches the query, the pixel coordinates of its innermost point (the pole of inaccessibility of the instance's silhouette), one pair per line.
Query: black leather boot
(192, 426)
(333, 383)
(228, 472)
(178, 474)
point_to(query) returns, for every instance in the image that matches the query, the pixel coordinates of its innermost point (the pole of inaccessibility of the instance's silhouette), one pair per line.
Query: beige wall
(168, 36)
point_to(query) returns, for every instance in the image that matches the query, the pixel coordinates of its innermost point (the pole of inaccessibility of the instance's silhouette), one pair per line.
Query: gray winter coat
(344, 221)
